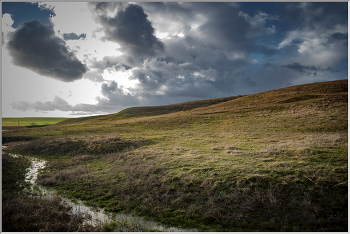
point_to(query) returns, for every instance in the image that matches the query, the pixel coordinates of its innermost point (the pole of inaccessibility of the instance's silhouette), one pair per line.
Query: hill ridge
(287, 95)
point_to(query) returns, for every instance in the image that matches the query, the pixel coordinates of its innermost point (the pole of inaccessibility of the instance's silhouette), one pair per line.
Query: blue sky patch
(25, 11)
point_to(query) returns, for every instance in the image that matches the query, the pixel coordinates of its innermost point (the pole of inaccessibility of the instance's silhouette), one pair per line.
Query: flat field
(272, 161)
(30, 121)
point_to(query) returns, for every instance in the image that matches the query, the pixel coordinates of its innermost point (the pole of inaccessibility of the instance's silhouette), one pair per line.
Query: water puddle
(94, 216)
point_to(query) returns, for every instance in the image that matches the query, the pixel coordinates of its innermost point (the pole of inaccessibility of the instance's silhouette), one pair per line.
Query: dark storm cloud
(225, 28)
(233, 82)
(339, 38)
(228, 28)
(116, 97)
(102, 8)
(34, 46)
(268, 66)
(108, 89)
(168, 8)
(178, 15)
(213, 53)
(131, 29)
(221, 69)
(308, 70)
(197, 56)
(73, 36)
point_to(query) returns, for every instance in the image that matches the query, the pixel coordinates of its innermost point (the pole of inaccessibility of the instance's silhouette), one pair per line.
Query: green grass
(255, 163)
(31, 121)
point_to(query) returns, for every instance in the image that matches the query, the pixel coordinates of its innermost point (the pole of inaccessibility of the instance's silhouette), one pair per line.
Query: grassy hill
(315, 92)
(271, 161)
(152, 110)
(167, 109)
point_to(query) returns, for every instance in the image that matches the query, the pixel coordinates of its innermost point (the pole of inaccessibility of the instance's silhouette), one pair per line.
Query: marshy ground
(272, 161)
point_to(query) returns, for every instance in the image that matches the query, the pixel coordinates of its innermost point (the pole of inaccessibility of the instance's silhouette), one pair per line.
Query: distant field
(31, 121)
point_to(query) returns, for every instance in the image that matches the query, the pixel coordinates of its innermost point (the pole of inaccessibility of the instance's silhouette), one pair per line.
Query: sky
(73, 59)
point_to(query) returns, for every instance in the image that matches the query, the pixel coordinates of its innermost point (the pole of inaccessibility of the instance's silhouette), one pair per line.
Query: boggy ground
(24, 213)
(273, 161)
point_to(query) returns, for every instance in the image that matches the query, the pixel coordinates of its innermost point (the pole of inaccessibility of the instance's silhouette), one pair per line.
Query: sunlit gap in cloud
(166, 35)
(121, 78)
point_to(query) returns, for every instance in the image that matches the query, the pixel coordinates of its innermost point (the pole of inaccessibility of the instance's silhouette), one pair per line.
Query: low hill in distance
(143, 111)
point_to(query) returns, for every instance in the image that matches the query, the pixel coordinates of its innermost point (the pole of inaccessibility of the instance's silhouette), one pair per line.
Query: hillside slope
(168, 109)
(143, 111)
(318, 93)
(272, 161)
(322, 93)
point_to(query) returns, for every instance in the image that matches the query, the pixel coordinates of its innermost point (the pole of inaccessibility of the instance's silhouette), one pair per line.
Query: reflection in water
(93, 216)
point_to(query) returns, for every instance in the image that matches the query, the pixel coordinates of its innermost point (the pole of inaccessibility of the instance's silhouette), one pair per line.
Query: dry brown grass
(299, 142)
(336, 90)
(22, 214)
(72, 146)
(58, 165)
(80, 173)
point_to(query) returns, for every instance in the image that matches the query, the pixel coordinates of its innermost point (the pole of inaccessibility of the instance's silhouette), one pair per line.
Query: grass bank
(23, 213)
(273, 161)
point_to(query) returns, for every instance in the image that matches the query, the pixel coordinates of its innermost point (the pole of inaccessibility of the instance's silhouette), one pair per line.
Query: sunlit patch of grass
(31, 121)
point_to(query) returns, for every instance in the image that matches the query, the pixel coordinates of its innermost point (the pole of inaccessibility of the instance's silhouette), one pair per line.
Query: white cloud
(47, 6)
(121, 77)
(313, 46)
(7, 22)
(162, 35)
(209, 74)
(240, 56)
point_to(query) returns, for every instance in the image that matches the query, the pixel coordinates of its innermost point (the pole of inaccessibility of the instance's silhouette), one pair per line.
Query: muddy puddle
(94, 216)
